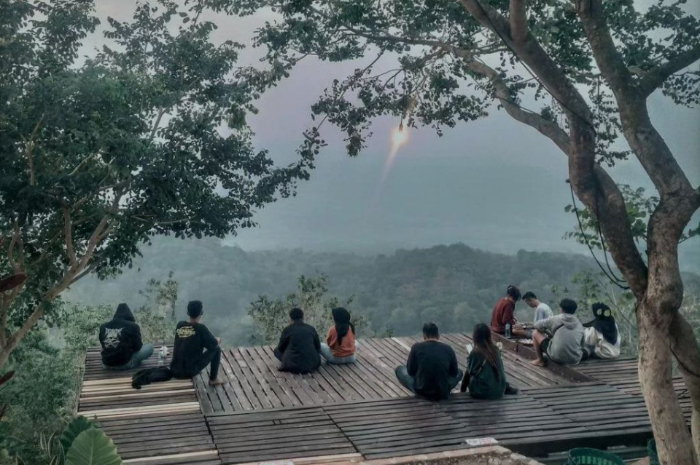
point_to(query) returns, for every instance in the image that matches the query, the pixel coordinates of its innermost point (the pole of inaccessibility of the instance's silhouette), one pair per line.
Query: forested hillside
(455, 285)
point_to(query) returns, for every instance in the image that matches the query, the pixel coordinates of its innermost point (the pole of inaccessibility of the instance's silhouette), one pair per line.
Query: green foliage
(93, 447)
(81, 325)
(40, 397)
(43, 393)
(145, 138)
(416, 59)
(157, 316)
(271, 316)
(73, 430)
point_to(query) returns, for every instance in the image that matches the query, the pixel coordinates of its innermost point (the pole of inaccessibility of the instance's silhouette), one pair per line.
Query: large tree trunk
(685, 348)
(673, 440)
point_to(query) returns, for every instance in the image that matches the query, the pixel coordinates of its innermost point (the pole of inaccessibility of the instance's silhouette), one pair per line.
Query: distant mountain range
(454, 286)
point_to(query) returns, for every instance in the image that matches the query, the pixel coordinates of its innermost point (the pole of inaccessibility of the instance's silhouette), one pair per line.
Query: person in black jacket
(299, 347)
(432, 371)
(122, 348)
(195, 348)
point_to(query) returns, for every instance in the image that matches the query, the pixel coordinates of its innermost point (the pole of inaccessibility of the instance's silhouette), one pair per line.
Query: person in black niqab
(604, 322)
(602, 338)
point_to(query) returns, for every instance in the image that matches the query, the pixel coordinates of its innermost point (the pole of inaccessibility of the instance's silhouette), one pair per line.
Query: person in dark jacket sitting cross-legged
(122, 348)
(299, 347)
(431, 371)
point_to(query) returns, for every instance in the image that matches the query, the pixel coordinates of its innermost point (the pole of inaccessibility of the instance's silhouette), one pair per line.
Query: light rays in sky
(399, 138)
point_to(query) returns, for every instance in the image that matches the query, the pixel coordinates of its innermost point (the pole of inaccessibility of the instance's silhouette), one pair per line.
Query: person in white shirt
(542, 310)
(602, 338)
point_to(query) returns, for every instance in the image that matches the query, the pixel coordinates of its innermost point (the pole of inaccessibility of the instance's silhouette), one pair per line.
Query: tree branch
(531, 53)
(157, 123)
(655, 77)
(649, 147)
(30, 148)
(518, 20)
(612, 66)
(502, 92)
(68, 278)
(70, 248)
(17, 266)
(7, 300)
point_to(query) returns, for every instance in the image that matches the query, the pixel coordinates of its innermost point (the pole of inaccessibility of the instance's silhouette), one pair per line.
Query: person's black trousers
(213, 357)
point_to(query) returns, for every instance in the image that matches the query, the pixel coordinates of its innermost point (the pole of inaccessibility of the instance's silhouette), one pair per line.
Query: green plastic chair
(585, 456)
(653, 454)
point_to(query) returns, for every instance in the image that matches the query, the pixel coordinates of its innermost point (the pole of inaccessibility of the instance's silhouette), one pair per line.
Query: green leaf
(74, 429)
(93, 447)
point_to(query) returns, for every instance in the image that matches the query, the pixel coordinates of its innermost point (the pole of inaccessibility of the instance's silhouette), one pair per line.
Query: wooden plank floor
(539, 420)
(358, 411)
(623, 375)
(160, 424)
(256, 384)
(279, 434)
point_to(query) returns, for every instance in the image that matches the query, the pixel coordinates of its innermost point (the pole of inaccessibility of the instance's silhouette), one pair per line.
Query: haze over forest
(455, 286)
(492, 184)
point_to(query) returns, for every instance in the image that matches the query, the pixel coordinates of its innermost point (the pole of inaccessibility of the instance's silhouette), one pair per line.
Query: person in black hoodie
(431, 371)
(195, 348)
(299, 347)
(122, 348)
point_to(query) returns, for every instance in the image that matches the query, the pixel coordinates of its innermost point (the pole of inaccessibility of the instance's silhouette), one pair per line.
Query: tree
(272, 316)
(587, 67)
(147, 137)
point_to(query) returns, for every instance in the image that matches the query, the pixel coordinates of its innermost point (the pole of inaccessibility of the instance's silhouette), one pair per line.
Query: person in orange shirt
(340, 344)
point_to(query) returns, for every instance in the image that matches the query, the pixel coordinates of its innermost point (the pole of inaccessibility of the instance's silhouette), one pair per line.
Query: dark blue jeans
(136, 359)
(409, 382)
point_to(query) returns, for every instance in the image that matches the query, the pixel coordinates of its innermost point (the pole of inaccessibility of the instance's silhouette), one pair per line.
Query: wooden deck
(255, 383)
(537, 421)
(358, 412)
(160, 424)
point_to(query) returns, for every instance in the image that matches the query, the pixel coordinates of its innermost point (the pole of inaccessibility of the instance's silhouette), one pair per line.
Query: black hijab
(604, 322)
(342, 322)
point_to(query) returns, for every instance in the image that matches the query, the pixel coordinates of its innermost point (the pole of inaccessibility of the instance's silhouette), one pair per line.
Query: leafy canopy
(431, 63)
(146, 137)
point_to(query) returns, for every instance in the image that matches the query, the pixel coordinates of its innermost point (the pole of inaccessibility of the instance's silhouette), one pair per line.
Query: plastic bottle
(162, 354)
(508, 332)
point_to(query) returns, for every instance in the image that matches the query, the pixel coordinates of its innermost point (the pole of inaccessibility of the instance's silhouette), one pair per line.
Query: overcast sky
(493, 184)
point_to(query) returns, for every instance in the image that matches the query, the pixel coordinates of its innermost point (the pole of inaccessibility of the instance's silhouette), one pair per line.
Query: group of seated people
(561, 338)
(299, 349)
(195, 347)
(431, 370)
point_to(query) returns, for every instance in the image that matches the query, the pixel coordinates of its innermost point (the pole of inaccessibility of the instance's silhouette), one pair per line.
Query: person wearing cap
(299, 346)
(122, 348)
(504, 313)
(195, 348)
(602, 337)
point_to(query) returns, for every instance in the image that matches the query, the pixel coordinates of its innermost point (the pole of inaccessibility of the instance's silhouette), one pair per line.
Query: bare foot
(216, 382)
(538, 362)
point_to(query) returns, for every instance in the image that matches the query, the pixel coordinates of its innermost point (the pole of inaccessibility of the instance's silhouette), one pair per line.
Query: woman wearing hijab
(340, 344)
(601, 337)
(485, 376)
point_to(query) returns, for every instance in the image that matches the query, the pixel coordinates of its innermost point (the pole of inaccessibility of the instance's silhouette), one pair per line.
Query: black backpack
(151, 375)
